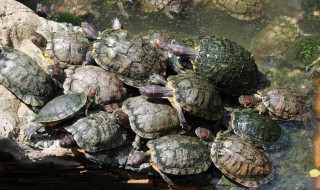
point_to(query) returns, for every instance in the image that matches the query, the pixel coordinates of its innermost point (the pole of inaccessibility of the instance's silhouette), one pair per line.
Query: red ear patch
(92, 92)
(204, 135)
(248, 101)
(148, 92)
(122, 117)
(177, 51)
(55, 73)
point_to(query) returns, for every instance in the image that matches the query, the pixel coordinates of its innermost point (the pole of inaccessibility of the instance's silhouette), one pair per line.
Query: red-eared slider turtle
(275, 37)
(280, 103)
(111, 88)
(127, 56)
(80, 8)
(187, 92)
(148, 118)
(25, 78)
(64, 48)
(239, 160)
(229, 66)
(174, 154)
(94, 133)
(168, 6)
(242, 9)
(62, 108)
(258, 129)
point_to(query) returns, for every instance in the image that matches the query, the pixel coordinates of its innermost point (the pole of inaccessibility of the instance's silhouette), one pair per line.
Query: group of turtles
(105, 87)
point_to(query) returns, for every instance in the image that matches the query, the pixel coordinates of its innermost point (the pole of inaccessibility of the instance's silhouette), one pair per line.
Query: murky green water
(295, 158)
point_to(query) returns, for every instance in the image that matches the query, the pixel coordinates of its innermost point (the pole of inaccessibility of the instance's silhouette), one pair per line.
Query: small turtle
(238, 159)
(111, 88)
(258, 129)
(275, 37)
(148, 118)
(128, 56)
(279, 103)
(25, 78)
(173, 154)
(94, 133)
(62, 108)
(187, 92)
(229, 66)
(242, 9)
(168, 6)
(312, 8)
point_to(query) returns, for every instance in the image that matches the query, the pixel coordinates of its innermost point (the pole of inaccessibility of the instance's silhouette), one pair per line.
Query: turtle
(168, 6)
(97, 132)
(173, 154)
(187, 92)
(226, 64)
(128, 56)
(64, 48)
(62, 108)
(111, 89)
(275, 37)
(25, 78)
(242, 9)
(280, 103)
(238, 159)
(258, 129)
(148, 118)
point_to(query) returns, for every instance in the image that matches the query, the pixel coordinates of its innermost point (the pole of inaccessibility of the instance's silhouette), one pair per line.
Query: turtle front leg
(122, 10)
(166, 11)
(262, 108)
(136, 144)
(157, 79)
(182, 119)
(31, 129)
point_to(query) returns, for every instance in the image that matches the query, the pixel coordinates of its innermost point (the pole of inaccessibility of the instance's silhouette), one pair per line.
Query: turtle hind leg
(166, 178)
(31, 129)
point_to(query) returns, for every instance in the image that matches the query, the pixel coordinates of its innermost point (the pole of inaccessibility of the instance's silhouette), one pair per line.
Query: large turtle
(25, 78)
(62, 108)
(94, 133)
(280, 103)
(173, 154)
(111, 88)
(229, 66)
(242, 9)
(238, 159)
(148, 118)
(187, 92)
(127, 56)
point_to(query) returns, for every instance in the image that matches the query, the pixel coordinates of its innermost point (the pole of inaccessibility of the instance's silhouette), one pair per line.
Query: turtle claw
(30, 130)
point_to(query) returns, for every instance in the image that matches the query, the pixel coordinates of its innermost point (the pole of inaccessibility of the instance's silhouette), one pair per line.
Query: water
(292, 161)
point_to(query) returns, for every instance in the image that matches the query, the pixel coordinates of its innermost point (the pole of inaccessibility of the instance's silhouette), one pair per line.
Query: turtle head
(68, 142)
(183, 51)
(204, 134)
(38, 39)
(160, 42)
(138, 158)
(155, 91)
(57, 73)
(121, 117)
(89, 31)
(42, 10)
(175, 6)
(117, 24)
(92, 91)
(249, 101)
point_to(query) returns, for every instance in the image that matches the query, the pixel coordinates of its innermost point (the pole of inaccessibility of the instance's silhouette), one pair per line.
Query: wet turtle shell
(151, 118)
(196, 96)
(80, 8)
(229, 66)
(25, 78)
(97, 132)
(242, 9)
(127, 56)
(111, 88)
(258, 129)
(275, 37)
(179, 155)
(240, 160)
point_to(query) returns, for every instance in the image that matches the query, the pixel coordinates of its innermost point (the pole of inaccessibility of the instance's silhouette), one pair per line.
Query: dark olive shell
(25, 78)
(227, 65)
(179, 155)
(196, 96)
(151, 118)
(128, 56)
(240, 160)
(258, 129)
(97, 132)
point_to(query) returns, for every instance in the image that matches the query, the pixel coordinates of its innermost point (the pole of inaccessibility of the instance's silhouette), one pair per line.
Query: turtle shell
(196, 96)
(258, 129)
(275, 37)
(179, 155)
(97, 132)
(240, 160)
(111, 89)
(151, 118)
(61, 108)
(128, 56)
(25, 78)
(81, 8)
(229, 66)
(242, 9)
(154, 5)
(283, 103)
(67, 48)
